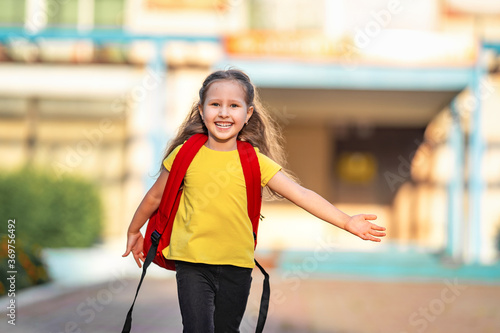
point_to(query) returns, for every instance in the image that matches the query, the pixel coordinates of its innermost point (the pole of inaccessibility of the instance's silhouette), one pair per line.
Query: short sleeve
(268, 168)
(167, 163)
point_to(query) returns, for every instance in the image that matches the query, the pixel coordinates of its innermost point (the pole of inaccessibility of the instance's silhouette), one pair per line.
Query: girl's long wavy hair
(261, 131)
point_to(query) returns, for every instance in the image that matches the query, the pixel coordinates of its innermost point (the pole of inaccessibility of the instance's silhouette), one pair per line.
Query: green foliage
(50, 212)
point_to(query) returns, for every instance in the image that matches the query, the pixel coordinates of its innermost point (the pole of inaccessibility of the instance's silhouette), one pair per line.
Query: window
(108, 13)
(12, 12)
(62, 13)
(69, 13)
(287, 14)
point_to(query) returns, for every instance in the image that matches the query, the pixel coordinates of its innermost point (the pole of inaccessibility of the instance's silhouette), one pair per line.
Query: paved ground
(297, 305)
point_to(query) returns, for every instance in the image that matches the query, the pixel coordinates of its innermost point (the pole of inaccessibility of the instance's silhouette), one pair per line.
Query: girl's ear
(200, 110)
(249, 113)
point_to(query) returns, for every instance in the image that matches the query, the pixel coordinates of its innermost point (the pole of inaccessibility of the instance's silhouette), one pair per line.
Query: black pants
(212, 298)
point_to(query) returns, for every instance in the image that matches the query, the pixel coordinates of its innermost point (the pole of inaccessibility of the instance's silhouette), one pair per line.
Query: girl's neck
(213, 144)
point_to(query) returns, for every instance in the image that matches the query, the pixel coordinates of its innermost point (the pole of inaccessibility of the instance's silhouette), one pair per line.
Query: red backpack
(159, 228)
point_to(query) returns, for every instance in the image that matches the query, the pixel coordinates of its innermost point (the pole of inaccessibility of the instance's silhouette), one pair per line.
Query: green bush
(50, 212)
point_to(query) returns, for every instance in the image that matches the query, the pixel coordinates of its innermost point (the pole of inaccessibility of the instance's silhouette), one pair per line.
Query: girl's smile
(224, 113)
(223, 125)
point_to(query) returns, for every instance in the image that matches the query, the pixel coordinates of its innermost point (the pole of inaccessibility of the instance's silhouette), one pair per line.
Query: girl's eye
(234, 105)
(215, 104)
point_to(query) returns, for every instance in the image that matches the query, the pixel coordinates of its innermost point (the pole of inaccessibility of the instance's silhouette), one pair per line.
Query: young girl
(212, 241)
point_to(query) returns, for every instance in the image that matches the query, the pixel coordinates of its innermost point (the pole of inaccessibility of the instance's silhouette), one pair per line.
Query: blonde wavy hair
(261, 131)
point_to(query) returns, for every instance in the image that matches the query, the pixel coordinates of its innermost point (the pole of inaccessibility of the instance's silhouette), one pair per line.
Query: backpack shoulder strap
(251, 171)
(177, 172)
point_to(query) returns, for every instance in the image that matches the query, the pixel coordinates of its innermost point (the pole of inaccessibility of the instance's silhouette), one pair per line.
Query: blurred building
(377, 101)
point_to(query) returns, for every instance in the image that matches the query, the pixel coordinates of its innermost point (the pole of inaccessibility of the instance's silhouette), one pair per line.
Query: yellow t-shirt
(212, 224)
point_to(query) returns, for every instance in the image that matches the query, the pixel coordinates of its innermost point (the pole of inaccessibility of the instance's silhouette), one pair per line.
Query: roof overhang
(337, 93)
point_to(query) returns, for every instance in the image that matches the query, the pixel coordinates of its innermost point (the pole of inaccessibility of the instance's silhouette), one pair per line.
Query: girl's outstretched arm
(315, 204)
(146, 208)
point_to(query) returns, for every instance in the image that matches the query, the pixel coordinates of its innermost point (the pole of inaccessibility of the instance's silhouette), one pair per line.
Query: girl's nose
(223, 112)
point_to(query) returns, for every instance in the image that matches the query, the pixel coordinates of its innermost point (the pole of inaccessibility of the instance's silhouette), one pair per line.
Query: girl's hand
(135, 243)
(360, 226)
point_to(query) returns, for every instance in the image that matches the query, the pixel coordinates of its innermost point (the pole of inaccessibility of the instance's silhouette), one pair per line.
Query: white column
(35, 15)
(85, 15)
(335, 16)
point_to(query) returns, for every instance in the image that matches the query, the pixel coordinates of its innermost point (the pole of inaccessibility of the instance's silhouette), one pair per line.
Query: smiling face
(224, 113)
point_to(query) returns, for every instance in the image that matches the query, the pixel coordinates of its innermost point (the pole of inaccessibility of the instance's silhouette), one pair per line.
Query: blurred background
(388, 107)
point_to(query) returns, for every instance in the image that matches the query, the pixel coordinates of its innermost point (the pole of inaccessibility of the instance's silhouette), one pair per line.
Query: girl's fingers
(138, 258)
(369, 237)
(138, 262)
(127, 252)
(377, 227)
(378, 234)
(370, 217)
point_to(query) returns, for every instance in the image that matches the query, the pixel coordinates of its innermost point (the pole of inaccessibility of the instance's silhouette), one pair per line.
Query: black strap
(264, 300)
(149, 259)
